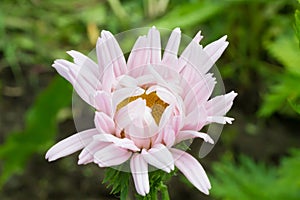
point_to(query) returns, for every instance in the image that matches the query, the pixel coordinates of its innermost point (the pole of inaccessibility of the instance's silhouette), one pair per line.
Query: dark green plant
(247, 179)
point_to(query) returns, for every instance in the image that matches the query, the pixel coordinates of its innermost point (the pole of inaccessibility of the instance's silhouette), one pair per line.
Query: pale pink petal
(138, 55)
(103, 102)
(139, 170)
(211, 54)
(146, 79)
(199, 93)
(220, 105)
(105, 64)
(87, 154)
(126, 81)
(104, 123)
(160, 157)
(189, 51)
(71, 144)
(130, 112)
(177, 123)
(111, 155)
(169, 137)
(170, 58)
(198, 37)
(81, 81)
(124, 93)
(65, 71)
(166, 116)
(166, 95)
(192, 170)
(196, 119)
(215, 49)
(189, 134)
(124, 142)
(154, 46)
(141, 131)
(136, 119)
(86, 62)
(115, 53)
(166, 135)
(219, 119)
(191, 72)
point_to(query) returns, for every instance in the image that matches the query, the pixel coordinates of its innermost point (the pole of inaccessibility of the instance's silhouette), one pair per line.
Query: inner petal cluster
(157, 105)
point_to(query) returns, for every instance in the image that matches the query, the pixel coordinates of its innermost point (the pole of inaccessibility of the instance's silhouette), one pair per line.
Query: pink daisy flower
(145, 106)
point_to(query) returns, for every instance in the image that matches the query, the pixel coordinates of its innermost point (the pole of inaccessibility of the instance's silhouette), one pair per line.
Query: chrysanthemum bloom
(145, 106)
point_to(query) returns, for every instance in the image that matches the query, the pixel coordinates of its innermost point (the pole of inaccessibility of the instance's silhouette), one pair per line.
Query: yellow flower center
(152, 101)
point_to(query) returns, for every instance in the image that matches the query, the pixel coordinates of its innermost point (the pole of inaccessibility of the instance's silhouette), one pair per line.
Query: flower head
(145, 106)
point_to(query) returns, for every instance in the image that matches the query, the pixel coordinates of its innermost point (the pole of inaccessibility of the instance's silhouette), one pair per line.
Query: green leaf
(297, 25)
(246, 179)
(281, 94)
(118, 180)
(287, 52)
(40, 128)
(188, 15)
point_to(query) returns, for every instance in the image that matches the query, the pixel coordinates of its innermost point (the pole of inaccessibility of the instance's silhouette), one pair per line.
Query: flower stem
(164, 192)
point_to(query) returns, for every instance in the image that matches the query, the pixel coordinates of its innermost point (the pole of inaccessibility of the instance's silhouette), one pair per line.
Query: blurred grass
(261, 63)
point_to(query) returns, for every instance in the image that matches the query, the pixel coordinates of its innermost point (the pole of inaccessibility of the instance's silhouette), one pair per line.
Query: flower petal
(122, 94)
(170, 54)
(133, 110)
(87, 154)
(80, 79)
(220, 105)
(124, 142)
(165, 118)
(189, 134)
(160, 157)
(105, 63)
(103, 102)
(199, 93)
(219, 119)
(196, 119)
(192, 170)
(115, 53)
(193, 47)
(71, 144)
(139, 170)
(111, 155)
(126, 81)
(138, 56)
(215, 49)
(154, 46)
(104, 123)
(86, 62)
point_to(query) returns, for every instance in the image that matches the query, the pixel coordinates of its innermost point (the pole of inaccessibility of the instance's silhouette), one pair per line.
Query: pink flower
(145, 106)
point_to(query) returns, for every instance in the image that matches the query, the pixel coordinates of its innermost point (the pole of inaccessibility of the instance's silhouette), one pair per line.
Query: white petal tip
(233, 93)
(70, 52)
(223, 38)
(206, 192)
(51, 159)
(177, 29)
(210, 140)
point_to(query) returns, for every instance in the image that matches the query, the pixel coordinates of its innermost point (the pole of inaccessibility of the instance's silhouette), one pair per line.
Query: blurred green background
(258, 157)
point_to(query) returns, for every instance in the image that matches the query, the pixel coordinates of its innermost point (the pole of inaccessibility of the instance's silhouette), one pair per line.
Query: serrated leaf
(280, 93)
(287, 52)
(118, 181)
(247, 179)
